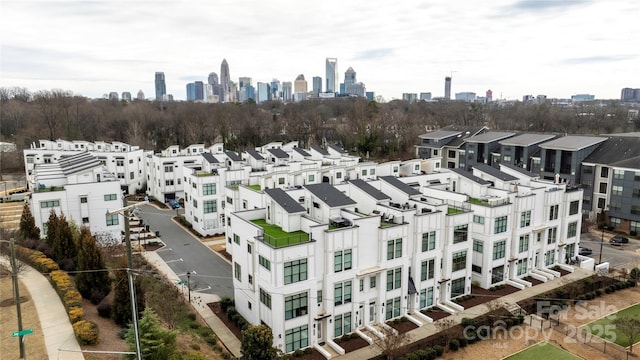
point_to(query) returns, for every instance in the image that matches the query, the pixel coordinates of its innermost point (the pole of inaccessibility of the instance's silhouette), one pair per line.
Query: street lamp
(14, 275)
(189, 284)
(601, 242)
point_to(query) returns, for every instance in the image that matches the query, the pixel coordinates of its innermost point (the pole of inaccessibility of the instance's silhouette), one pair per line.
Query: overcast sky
(513, 47)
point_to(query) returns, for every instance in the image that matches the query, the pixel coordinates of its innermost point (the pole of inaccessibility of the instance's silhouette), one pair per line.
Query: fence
(595, 342)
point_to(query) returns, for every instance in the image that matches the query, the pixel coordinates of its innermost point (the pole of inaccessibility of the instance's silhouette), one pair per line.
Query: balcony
(489, 202)
(274, 236)
(41, 189)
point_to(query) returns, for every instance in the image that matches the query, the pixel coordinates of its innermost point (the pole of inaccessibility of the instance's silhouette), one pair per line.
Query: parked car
(584, 251)
(174, 204)
(618, 240)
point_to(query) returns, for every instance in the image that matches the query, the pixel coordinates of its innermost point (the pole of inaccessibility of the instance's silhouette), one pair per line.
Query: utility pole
(189, 284)
(14, 271)
(125, 211)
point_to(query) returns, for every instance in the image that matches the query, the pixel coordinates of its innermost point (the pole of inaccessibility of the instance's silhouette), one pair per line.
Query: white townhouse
(164, 170)
(124, 161)
(81, 188)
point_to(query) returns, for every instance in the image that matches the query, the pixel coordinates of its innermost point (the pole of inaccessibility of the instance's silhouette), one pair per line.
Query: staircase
(10, 214)
(515, 309)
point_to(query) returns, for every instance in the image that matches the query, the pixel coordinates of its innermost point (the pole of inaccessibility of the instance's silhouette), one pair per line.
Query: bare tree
(392, 341)
(630, 327)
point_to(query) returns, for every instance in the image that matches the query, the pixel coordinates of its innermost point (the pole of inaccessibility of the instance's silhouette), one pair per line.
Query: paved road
(184, 253)
(624, 256)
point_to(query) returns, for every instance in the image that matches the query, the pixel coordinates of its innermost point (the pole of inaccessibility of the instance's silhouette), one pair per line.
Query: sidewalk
(199, 302)
(58, 334)
(429, 329)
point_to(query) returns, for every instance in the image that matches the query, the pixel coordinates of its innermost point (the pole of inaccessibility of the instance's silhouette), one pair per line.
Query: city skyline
(514, 48)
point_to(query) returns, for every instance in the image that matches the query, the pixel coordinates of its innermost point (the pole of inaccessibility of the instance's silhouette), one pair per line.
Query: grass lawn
(606, 330)
(453, 211)
(543, 351)
(277, 237)
(254, 187)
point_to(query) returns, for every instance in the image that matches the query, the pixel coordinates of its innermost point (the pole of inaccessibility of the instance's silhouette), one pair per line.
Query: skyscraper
(161, 86)
(213, 79)
(332, 75)
(287, 91)
(300, 85)
(447, 88)
(126, 96)
(351, 86)
(317, 85)
(263, 93)
(199, 90)
(140, 95)
(225, 81)
(275, 89)
(191, 92)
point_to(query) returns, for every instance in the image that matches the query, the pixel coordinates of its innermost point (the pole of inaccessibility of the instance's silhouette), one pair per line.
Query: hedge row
(36, 259)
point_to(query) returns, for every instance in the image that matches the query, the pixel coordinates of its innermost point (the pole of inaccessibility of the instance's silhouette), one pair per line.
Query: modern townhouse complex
(319, 260)
(124, 161)
(80, 187)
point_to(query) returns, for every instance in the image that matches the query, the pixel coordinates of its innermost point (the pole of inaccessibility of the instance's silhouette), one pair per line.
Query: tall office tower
(199, 90)
(161, 86)
(447, 88)
(349, 80)
(287, 91)
(113, 95)
(489, 95)
(300, 85)
(225, 81)
(332, 75)
(212, 79)
(140, 95)
(317, 85)
(263, 93)
(371, 96)
(425, 96)
(275, 89)
(244, 81)
(191, 91)
(126, 96)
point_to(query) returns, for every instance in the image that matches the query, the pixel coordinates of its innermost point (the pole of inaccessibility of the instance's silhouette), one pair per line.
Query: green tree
(121, 306)
(93, 285)
(28, 229)
(63, 246)
(52, 228)
(257, 343)
(630, 327)
(156, 342)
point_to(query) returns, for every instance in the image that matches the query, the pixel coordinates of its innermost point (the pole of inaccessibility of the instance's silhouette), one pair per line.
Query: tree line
(384, 131)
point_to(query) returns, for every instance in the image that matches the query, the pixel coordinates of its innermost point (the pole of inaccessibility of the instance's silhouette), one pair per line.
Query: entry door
(372, 312)
(320, 336)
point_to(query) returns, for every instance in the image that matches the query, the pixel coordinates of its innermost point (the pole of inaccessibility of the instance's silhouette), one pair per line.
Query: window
(119, 162)
(265, 298)
(426, 297)
(573, 207)
(297, 338)
(553, 212)
(572, 229)
(342, 292)
(393, 308)
(427, 269)
(132, 176)
(83, 199)
(499, 249)
(497, 274)
(552, 235)
(264, 262)
(616, 190)
(478, 246)
(428, 241)
(372, 282)
(168, 168)
(295, 271)
(319, 296)
(112, 220)
(478, 219)
(459, 260)
(394, 249)
(525, 218)
(361, 284)
(295, 305)
(29, 159)
(312, 178)
(280, 181)
(603, 188)
(110, 197)
(85, 220)
(523, 243)
(342, 324)
(604, 172)
(236, 239)
(210, 206)
(570, 251)
(168, 182)
(338, 175)
(342, 260)
(500, 225)
(237, 271)
(549, 257)
(208, 189)
(452, 153)
(372, 171)
(476, 269)
(618, 174)
(50, 203)
(364, 172)
(460, 233)
(195, 202)
(394, 279)
(522, 266)
(457, 287)
(250, 279)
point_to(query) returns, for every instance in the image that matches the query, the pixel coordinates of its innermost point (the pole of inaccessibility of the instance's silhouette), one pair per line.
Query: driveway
(624, 256)
(185, 253)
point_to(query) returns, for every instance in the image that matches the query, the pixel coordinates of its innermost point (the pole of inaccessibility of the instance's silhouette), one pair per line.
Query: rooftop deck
(276, 237)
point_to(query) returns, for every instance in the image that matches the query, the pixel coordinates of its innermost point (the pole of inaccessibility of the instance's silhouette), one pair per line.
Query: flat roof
(572, 142)
(526, 139)
(489, 136)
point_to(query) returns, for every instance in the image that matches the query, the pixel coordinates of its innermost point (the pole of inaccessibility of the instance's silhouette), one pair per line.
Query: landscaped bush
(463, 342)
(104, 309)
(61, 281)
(467, 322)
(225, 303)
(86, 332)
(76, 314)
(598, 292)
(438, 349)
(72, 298)
(454, 345)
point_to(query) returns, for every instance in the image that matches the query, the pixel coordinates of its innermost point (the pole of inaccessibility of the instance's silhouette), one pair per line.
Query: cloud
(597, 59)
(371, 54)
(544, 5)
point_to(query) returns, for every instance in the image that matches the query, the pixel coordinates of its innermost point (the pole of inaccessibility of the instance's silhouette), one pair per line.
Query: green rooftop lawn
(543, 351)
(277, 237)
(606, 330)
(453, 211)
(254, 187)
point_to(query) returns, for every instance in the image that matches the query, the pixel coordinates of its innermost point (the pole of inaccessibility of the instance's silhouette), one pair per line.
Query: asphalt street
(184, 253)
(623, 256)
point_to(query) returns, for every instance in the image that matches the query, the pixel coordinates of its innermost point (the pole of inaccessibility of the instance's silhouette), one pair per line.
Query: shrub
(635, 273)
(631, 283)
(225, 303)
(67, 264)
(439, 350)
(618, 285)
(467, 322)
(76, 314)
(298, 353)
(104, 309)
(308, 351)
(454, 345)
(86, 332)
(598, 292)
(61, 281)
(463, 342)
(191, 316)
(72, 298)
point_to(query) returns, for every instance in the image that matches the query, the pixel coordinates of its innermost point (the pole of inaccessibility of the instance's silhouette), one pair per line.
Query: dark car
(584, 251)
(174, 204)
(618, 240)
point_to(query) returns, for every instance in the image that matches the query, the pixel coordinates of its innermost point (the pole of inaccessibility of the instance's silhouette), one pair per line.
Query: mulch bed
(315, 355)
(435, 313)
(402, 327)
(562, 271)
(226, 255)
(533, 281)
(217, 310)
(482, 296)
(353, 344)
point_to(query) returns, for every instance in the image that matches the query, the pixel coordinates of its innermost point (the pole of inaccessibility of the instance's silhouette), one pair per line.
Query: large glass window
(478, 246)
(426, 297)
(342, 292)
(210, 206)
(549, 257)
(265, 298)
(497, 274)
(478, 219)
(392, 308)
(295, 271)
(342, 260)
(525, 218)
(394, 249)
(500, 225)
(616, 190)
(237, 271)
(572, 229)
(460, 233)
(522, 266)
(427, 269)
(552, 235)
(394, 279)
(499, 249)
(342, 324)
(50, 203)
(553, 212)
(457, 287)
(429, 241)
(459, 260)
(523, 244)
(110, 197)
(297, 338)
(112, 220)
(573, 207)
(264, 262)
(209, 189)
(295, 305)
